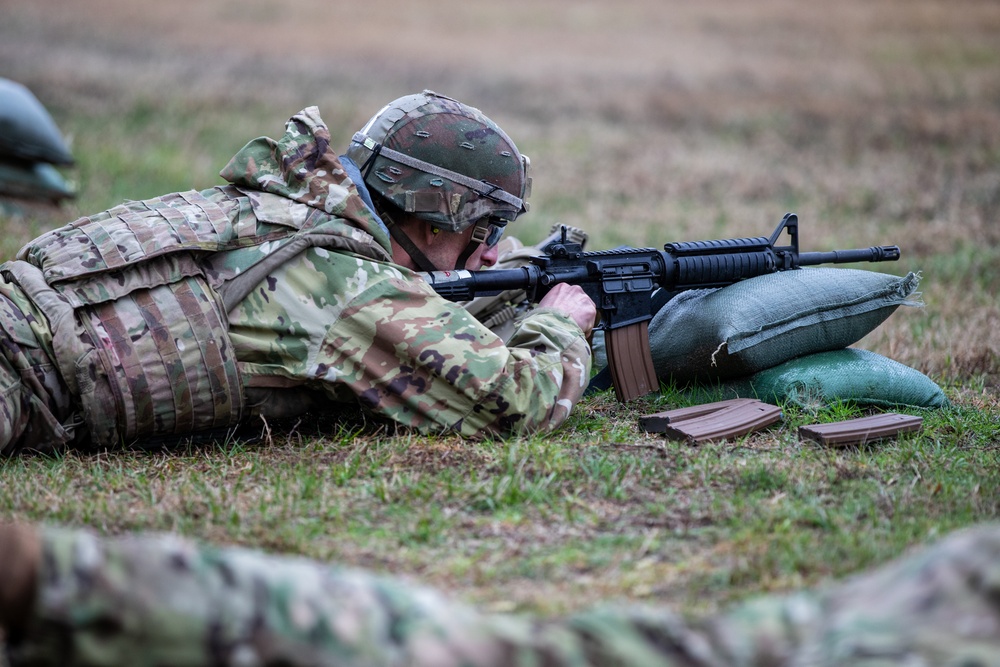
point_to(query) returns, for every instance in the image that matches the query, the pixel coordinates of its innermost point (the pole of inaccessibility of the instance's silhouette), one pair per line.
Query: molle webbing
(168, 362)
(156, 361)
(67, 345)
(138, 333)
(128, 235)
(138, 297)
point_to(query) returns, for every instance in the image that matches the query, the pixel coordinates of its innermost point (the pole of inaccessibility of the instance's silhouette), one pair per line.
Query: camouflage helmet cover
(443, 161)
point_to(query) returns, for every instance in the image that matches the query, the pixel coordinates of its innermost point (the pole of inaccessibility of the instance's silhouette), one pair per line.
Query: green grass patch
(646, 517)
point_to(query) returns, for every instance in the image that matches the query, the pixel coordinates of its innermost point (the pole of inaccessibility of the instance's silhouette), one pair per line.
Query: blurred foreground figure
(71, 597)
(31, 149)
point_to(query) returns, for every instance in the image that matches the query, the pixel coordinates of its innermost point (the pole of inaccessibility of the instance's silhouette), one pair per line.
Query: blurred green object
(27, 131)
(33, 180)
(30, 147)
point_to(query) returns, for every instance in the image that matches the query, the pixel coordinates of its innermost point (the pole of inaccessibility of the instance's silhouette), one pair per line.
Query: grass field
(647, 121)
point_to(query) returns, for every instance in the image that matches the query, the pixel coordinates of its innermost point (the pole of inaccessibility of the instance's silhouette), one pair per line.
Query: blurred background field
(647, 121)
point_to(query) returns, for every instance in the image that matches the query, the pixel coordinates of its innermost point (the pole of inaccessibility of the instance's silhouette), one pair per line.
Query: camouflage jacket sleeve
(379, 333)
(165, 600)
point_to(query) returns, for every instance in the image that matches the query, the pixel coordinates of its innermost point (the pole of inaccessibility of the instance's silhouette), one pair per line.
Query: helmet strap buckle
(480, 233)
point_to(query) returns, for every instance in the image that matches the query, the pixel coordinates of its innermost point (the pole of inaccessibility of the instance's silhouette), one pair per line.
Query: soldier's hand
(572, 301)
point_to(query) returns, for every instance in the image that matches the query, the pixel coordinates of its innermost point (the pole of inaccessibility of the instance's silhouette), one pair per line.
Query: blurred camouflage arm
(153, 600)
(159, 599)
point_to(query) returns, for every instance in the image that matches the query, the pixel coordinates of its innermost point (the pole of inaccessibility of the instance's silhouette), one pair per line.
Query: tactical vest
(137, 299)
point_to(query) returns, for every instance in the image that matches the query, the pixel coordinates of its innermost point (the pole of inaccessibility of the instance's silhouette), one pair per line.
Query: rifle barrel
(464, 285)
(883, 253)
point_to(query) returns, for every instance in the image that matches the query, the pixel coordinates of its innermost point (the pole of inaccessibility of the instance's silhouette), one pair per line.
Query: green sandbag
(33, 180)
(848, 375)
(760, 322)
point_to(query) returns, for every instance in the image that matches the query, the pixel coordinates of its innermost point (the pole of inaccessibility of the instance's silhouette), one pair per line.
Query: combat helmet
(445, 163)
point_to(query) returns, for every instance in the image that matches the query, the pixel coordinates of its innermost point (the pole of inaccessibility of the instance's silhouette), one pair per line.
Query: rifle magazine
(631, 361)
(862, 430)
(713, 421)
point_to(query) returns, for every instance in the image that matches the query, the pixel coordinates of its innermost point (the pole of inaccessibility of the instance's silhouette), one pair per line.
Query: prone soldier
(290, 288)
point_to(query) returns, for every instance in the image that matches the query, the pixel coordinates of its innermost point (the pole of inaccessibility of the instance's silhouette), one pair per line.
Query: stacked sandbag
(31, 148)
(849, 375)
(786, 336)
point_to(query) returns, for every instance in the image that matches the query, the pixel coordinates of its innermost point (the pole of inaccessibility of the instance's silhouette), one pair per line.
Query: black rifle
(622, 282)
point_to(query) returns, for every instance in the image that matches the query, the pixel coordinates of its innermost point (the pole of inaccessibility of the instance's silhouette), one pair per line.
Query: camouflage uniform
(267, 296)
(164, 600)
(35, 403)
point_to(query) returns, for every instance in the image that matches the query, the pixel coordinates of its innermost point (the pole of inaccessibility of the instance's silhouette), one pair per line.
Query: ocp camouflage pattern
(451, 136)
(35, 405)
(288, 293)
(166, 600)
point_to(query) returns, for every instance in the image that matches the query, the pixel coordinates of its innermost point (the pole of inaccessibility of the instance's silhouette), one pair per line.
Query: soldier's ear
(428, 233)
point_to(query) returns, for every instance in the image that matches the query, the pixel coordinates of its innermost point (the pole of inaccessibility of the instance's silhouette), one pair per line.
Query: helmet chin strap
(406, 243)
(423, 262)
(479, 236)
(466, 254)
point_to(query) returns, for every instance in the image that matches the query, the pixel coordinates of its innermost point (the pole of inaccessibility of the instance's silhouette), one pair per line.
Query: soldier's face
(442, 248)
(445, 248)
